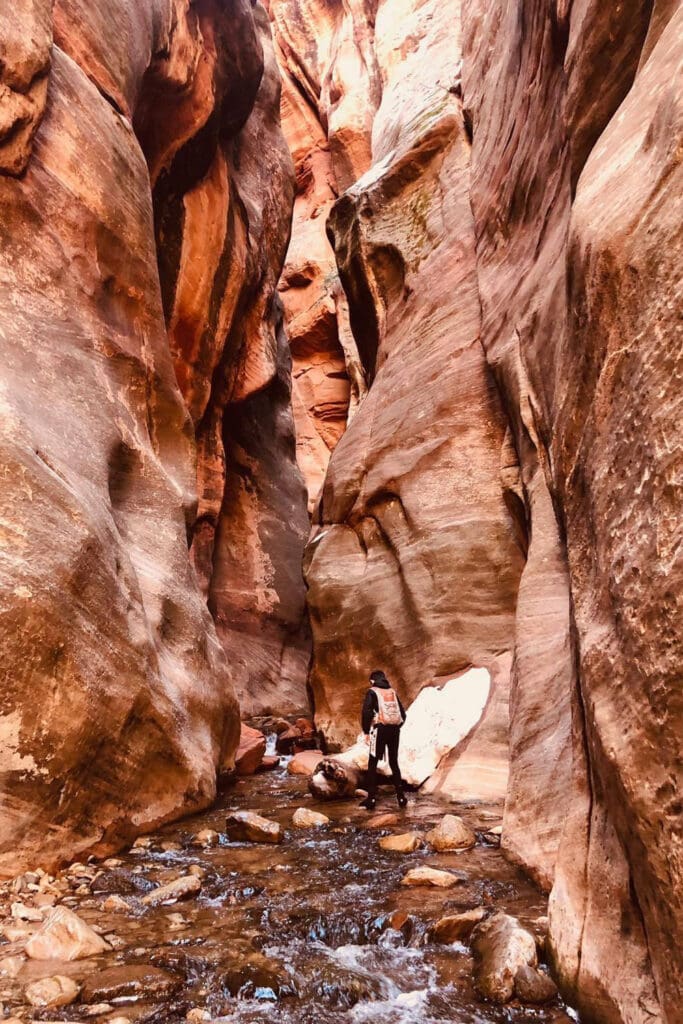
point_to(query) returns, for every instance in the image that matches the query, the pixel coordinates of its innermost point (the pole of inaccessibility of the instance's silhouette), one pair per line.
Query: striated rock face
(328, 379)
(578, 227)
(416, 560)
(510, 483)
(114, 679)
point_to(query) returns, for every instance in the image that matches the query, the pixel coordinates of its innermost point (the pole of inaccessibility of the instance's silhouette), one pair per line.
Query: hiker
(382, 718)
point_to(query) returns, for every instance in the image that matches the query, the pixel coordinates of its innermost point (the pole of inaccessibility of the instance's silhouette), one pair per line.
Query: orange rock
(252, 747)
(305, 763)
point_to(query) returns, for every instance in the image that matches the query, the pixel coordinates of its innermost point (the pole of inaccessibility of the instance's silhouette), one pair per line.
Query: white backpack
(389, 712)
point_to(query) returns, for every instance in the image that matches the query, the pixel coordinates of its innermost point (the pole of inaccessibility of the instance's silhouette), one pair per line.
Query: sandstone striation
(415, 560)
(116, 682)
(507, 232)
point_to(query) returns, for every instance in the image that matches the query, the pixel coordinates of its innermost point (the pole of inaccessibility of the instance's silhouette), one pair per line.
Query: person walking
(382, 718)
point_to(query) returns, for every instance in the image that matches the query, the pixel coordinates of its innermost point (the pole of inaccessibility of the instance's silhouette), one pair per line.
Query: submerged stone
(247, 826)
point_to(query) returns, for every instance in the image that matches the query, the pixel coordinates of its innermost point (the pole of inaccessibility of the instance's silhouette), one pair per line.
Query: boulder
(430, 876)
(334, 779)
(21, 912)
(408, 842)
(269, 763)
(451, 834)
(456, 927)
(55, 991)
(64, 936)
(206, 837)
(187, 885)
(288, 739)
(304, 818)
(501, 947)
(249, 827)
(305, 763)
(252, 747)
(533, 986)
(128, 981)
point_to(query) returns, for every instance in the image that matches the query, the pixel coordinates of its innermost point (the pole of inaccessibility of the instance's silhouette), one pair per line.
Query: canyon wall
(508, 236)
(416, 558)
(115, 681)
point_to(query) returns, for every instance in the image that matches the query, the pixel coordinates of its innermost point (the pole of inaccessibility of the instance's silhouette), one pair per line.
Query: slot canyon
(341, 335)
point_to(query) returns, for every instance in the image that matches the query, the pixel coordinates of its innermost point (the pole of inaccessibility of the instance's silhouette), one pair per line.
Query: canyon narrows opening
(340, 336)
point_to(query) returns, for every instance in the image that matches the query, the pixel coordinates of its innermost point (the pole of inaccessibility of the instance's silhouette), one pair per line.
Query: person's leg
(373, 760)
(392, 746)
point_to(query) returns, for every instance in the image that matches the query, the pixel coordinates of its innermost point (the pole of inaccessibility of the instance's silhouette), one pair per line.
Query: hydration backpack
(389, 711)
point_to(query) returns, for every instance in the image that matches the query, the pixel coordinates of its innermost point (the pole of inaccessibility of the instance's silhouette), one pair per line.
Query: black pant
(388, 737)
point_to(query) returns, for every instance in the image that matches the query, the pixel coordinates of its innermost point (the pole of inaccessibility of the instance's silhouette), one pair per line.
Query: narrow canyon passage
(337, 336)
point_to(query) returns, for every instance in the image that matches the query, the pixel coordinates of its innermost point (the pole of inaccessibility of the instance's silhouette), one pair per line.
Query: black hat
(378, 677)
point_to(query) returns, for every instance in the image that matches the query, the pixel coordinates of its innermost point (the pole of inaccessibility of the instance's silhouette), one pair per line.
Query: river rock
(501, 946)
(408, 842)
(64, 936)
(305, 762)
(456, 927)
(269, 762)
(451, 834)
(533, 986)
(128, 980)
(254, 971)
(115, 904)
(305, 818)
(206, 837)
(196, 1015)
(187, 885)
(247, 826)
(384, 820)
(430, 876)
(334, 780)
(11, 965)
(252, 747)
(55, 991)
(21, 912)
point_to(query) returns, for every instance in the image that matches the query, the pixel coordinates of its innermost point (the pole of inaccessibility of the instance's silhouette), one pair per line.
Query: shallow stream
(317, 929)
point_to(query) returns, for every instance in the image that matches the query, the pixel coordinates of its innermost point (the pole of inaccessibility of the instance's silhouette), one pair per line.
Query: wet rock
(269, 763)
(451, 834)
(382, 821)
(304, 818)
(408, 842)
(187, 885)
(64, 936)
(533, 986)
(129, 980)
(197, 1015)
(252, 747)
(120, 882)
(456, 927)
(255, 976)
(334, 780)
(116, 904)
(287, 740)
(55, 991)
(247, 826)
(206, 837)
(501, 946)
(430, 876)
(143, 843)
(305, 763)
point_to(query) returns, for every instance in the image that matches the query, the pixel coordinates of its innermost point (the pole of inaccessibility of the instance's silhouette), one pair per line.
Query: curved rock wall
(114, 679)
(416, 559)
(522, 499)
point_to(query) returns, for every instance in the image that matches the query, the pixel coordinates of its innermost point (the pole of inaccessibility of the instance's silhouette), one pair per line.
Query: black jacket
(371, 706)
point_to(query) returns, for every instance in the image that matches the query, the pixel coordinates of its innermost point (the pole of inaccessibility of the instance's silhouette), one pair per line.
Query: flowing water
(317, 929)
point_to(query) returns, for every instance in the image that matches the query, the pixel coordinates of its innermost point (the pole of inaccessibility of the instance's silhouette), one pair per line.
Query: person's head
(378, 678)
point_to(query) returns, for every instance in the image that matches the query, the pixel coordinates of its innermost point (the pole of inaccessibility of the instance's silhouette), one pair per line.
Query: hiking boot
(368, 803)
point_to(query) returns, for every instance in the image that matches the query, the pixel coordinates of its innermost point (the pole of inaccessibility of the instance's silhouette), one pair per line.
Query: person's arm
(369, 709)
(402, 709)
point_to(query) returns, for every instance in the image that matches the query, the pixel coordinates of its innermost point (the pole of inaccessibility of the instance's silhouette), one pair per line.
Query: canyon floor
(317, 928)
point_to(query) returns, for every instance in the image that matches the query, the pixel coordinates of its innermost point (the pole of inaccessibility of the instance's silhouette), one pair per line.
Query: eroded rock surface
(116, 682)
